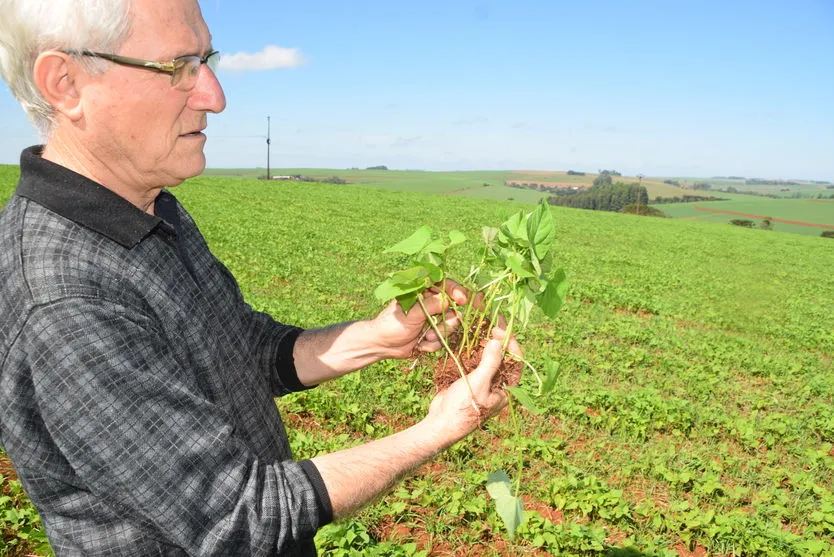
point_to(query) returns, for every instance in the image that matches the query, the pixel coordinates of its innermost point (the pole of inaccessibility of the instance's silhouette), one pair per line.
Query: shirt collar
(84, 201)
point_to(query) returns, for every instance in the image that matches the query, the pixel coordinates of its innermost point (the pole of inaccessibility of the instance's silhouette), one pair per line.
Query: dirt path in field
(560, 185)
(821, 201)
(752, 216)
(455, 192)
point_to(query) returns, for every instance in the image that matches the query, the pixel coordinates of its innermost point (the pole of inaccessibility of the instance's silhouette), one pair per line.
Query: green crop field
(803, 188)
(474, 184)
(812, 211)
(692, 413)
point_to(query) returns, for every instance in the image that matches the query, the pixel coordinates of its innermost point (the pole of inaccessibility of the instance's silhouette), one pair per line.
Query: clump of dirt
(6, 468)
(446, 372)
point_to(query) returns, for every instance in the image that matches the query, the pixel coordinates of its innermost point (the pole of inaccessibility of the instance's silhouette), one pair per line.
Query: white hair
(30, 27)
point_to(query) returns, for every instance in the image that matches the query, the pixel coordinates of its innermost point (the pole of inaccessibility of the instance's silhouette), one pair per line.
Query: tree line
(602, 197)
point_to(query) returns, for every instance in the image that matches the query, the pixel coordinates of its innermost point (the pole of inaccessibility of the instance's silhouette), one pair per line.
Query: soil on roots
(446, 371)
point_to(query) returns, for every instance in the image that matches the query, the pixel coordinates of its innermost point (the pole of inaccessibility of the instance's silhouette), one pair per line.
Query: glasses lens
(186, 70)
(213, 61)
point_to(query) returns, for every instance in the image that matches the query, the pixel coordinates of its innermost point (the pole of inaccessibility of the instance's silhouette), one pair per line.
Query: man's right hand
(452, 412)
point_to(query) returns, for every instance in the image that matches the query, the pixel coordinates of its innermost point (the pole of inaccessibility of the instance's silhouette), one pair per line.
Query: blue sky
(687, 88)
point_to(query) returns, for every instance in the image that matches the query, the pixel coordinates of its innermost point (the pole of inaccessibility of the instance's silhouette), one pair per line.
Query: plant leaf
(540, 229)
(526, 400)
(408, 300)
(414, 243)
(489, 234)
(514, 230)
(413, 276)
(509, 507)
(516, 262)
(456, 237)
(435, 246)
(412, 280)
(551, 375)
(433, 272)
(388, 290)
(550, 300)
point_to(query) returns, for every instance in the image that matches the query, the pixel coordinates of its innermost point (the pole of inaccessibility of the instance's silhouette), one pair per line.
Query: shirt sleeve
(135, 428)
(272, 342)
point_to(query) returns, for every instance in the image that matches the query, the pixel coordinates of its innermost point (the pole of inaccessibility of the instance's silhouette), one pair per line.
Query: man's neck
(67, 153)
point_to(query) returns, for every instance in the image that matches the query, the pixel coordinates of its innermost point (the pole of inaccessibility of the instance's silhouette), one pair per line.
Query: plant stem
(535, 373)
(449, 351)
(489, 299)
(517, 431)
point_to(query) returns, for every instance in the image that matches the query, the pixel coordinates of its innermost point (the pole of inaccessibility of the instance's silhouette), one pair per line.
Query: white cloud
(269, 58)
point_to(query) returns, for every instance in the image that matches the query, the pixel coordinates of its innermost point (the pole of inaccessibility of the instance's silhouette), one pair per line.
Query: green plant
(515, 274)
(20, 523)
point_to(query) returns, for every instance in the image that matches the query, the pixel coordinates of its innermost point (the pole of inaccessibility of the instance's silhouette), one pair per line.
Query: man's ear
(55, 75)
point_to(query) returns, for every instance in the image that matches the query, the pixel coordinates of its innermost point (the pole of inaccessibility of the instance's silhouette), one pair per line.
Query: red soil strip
(550, 184)
(455, 192)
(820, 201)
(752, 216)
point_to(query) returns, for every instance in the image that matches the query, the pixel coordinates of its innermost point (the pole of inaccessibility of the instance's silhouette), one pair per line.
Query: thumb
(490, 362)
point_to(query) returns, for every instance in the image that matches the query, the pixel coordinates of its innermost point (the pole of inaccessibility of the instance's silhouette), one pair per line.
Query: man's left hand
(400, 333)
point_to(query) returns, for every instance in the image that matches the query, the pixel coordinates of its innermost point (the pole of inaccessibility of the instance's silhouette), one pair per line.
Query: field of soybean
(692, 413)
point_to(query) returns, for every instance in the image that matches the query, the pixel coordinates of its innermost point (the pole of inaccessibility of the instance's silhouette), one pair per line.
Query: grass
(692, 411)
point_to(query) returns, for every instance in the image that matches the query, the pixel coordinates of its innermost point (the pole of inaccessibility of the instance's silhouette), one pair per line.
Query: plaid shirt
(136, 386)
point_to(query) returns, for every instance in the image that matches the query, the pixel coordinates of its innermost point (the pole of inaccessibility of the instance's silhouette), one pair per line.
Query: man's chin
(190, 170)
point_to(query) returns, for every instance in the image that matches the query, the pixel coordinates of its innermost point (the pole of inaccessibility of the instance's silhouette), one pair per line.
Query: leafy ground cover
(692, 411)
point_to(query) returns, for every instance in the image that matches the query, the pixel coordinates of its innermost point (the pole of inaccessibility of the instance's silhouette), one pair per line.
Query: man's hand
(452, 410)
(329, 352)
(399, 333)
(359, 475)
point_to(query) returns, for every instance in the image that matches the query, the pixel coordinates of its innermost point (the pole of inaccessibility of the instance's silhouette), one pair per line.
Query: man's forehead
(176, 26)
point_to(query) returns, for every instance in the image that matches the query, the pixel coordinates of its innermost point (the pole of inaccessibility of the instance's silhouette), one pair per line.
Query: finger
(433, 301)
(488, 366)
(429, 346)
(499, 332)
(447, 326)
(456, 292)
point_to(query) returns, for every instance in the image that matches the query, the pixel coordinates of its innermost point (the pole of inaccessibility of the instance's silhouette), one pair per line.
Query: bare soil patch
(555, 185)
(7, 468)
(446, 371)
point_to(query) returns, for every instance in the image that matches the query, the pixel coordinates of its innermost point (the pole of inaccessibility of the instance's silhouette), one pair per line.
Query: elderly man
(137, 386)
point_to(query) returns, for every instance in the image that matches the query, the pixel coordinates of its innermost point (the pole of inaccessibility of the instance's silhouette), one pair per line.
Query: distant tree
(603, 179)
(766, 224)
(672, 182)
(575, 173)
(827, 234)
(380, 167)
(702, 186)
(642, 210)
(746, 223)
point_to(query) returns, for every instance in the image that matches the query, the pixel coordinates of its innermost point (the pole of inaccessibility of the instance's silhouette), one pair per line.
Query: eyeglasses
(183, 70)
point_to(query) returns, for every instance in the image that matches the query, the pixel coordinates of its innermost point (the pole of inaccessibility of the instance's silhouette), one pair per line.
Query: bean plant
(515, 273)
